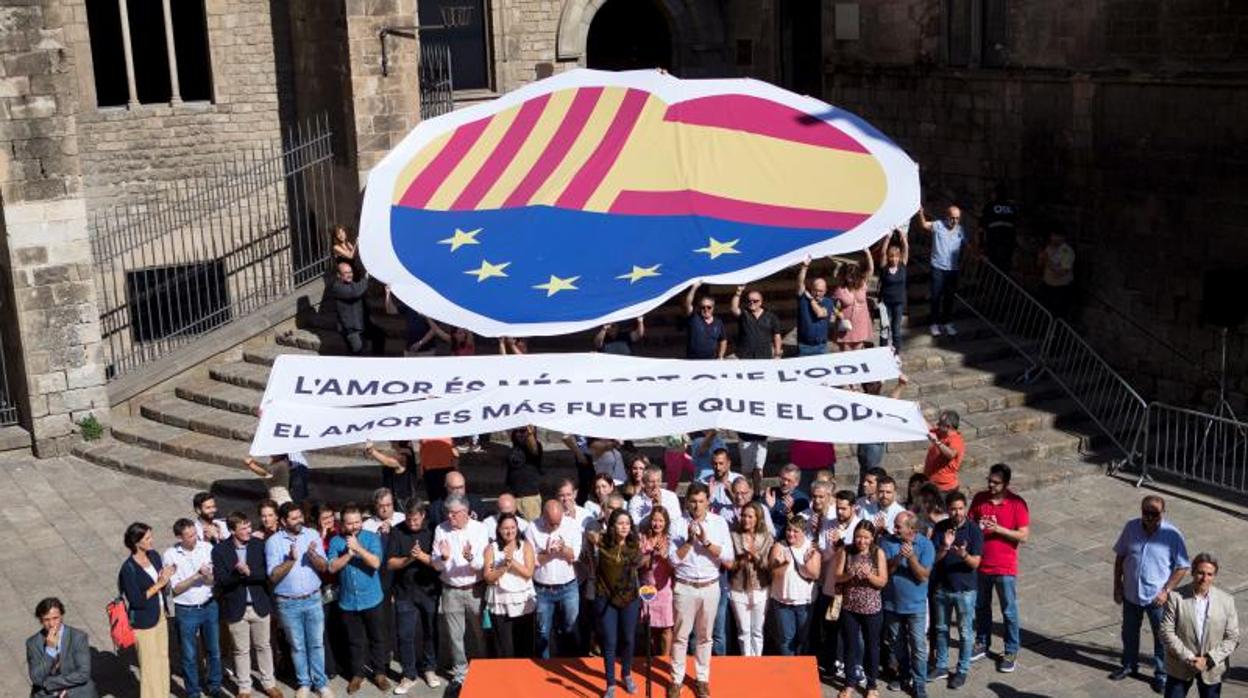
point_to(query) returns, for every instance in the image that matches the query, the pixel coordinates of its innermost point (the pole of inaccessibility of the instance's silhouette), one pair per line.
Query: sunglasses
(1150, 514)
(708, 307)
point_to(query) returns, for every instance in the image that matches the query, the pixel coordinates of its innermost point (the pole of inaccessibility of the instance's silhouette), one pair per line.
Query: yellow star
(716, 248)
(486, 270)
(557, 284)
(639, 273)
(461, 238)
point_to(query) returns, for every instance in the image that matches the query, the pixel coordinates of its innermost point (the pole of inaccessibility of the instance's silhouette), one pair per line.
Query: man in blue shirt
(959, 547)
(1150, 561)
(355, 556)
(707, 339)
(294, 560)
(814, 310)
(948, 238)
(786, 499)
(910, 558)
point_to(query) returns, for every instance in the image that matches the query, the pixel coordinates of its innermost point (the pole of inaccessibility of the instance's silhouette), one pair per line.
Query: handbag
(119, 627)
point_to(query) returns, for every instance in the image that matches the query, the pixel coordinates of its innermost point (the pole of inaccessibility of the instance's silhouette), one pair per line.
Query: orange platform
(752, 677)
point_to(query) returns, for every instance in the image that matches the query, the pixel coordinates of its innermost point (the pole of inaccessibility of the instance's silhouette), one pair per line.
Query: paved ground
(66, 519)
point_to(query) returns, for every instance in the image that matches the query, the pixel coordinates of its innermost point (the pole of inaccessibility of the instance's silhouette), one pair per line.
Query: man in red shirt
(944, 456)
(1005, 522)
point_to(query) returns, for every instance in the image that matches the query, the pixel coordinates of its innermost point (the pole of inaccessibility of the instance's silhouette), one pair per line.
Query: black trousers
(371, 337)
(513, 637)
(366, 638)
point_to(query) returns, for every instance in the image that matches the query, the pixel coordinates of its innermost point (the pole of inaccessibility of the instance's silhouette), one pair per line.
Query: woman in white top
(511, 598)
(795, 565)
(750, 577)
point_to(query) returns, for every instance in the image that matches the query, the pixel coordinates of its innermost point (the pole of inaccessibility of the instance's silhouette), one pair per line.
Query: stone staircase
(197, 434)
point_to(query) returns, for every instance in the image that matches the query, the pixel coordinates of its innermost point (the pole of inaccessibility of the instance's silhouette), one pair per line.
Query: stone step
(222, 396)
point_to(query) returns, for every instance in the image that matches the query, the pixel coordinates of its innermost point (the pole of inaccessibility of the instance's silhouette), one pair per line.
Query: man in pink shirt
(1004, 519)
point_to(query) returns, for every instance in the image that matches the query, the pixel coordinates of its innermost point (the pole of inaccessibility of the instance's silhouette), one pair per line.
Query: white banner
(350, 382)
(630, 410)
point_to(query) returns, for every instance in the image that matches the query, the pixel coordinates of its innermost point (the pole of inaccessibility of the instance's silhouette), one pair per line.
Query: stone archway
(697, 34)
(629, 35)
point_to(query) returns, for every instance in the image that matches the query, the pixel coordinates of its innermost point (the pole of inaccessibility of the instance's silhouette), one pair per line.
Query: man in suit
(240, 581)
(58, 656)
(1200, 630)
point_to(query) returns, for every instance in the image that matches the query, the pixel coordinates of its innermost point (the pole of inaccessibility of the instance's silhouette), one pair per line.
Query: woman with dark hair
(58, 657)
(334, 636)
(854, 315)
(142, 582)
(861, 572)
(637, 465)
(603, 488)
(269, 525)
(616, 603)
(913, 487)
(657, 571)
(344, 246)
(510, 597)
(750, 577)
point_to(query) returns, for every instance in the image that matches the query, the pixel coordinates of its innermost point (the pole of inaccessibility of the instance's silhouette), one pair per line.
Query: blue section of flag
(538, 242)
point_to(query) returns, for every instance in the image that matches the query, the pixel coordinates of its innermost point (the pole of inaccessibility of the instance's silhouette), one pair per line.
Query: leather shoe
(357, 682)
(673, 690)
(702, 689)
(1121, 674)
(382, 683)
(1159, 684)
(274, 692)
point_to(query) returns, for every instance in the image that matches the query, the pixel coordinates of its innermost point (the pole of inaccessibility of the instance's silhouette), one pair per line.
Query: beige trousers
(152, 646)
(695, 613)
(252, 633)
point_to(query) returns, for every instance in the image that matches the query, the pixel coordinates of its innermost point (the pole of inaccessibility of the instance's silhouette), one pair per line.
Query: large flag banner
(350, 382)
(592, 196)
(626, 411)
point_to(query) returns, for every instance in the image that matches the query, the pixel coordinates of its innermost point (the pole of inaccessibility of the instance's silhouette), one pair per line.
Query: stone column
(45, 255)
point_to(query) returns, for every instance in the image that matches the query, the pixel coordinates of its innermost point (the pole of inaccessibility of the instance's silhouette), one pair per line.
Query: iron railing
(437, 89)
(208, 251)
(1015, 315)
(1195, 446)
(8, 408)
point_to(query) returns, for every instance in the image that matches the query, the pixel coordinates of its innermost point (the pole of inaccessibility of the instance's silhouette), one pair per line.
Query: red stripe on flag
(686, 202)
(426, 183)
(573, 122)
(503, 154)
(591, 174)
(762, 117)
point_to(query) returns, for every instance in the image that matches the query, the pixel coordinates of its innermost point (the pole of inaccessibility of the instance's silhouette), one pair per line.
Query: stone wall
(126, 152)
(51, 329)
(1136, 148)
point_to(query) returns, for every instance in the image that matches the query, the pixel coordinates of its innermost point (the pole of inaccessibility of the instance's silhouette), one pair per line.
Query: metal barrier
(207, 252)
(8, 409)
(1015, 315)
(1106, 397)
(1195, 446)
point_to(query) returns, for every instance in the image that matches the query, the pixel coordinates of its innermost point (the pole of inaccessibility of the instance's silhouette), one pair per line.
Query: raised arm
(801, 276)
(693, 293)
(869, 270)
(639, 332)
(600, 337)
(923, 222)
(735, 307)
(904, 236)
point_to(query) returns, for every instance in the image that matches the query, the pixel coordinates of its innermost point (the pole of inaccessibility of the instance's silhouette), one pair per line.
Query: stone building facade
(1120, 121)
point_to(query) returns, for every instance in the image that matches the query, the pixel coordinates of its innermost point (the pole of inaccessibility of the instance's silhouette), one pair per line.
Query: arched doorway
(629, 35)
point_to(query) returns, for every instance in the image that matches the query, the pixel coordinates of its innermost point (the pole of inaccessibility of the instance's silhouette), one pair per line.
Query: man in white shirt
(384, 516)
(720, 480)
(887, 505)
(742, 494)
(207, 526)
(703, 546)
(557, 539)
(459, 555)
(867, 506)
(195, 608)
(506, 505)
(653, 493)
(583, 516)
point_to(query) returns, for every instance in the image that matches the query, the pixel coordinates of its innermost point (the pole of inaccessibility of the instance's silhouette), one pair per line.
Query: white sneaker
(432, 679)
(935, 330)
(404, 686)
(303, 692)
(326, 692)
(951, 330)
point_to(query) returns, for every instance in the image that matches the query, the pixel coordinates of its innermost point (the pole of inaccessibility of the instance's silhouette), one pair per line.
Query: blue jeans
(812, 349)
(617, 631)
(1131, 619)
(418, 632)
(944, 285)
(910, 651)
(894, 311)
(792, 627)
(719, 642)
(1178, 688)
(944, 602)
(304, 622)
(191, 621)
(1007, 595)
(565, 597)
